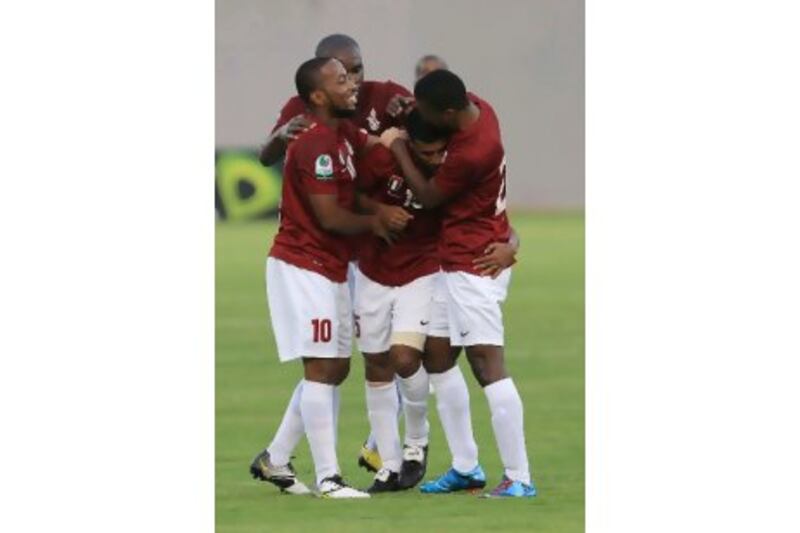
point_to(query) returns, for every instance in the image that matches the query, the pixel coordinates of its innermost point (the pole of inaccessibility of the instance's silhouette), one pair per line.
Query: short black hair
(419, 130)
(442, 90)
(308, 77)
(331, 44)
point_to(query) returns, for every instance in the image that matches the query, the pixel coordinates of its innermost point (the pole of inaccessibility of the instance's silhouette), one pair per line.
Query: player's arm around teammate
(472, 183)
(498, 256)
(308, 298)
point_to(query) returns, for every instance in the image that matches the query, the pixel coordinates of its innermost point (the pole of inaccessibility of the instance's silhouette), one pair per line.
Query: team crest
(395, 186)
(372, 120)
(323, 167)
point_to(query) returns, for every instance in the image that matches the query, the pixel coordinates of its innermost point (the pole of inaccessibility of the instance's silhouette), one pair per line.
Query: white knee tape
(411, 339)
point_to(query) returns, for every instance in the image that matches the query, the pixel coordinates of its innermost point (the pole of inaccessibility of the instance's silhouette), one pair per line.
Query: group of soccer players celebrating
(393, 228)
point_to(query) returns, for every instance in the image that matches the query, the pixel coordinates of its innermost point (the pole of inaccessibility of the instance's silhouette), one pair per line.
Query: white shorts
(473, 308)
(381, 310)
(311, 315)
(440, 325)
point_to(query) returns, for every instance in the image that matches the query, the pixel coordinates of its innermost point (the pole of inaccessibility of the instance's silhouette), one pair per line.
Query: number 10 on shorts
(322, 329)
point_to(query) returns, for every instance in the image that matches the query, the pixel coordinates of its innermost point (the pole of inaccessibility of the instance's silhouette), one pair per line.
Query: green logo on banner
(245, 188)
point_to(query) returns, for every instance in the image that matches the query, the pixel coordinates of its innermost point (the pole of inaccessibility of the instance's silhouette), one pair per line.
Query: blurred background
(526, 57)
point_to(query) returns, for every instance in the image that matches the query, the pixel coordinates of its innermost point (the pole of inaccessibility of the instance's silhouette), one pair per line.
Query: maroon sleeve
(315, 167)
(290, 109)
(395, 88)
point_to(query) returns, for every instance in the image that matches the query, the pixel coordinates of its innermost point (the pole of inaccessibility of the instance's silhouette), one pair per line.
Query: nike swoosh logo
(464, 333)
(424, 322)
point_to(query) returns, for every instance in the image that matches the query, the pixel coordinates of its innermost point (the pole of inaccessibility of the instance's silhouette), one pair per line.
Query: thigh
(411, 312)
(474, 308)
(372, 314)
(439, 325)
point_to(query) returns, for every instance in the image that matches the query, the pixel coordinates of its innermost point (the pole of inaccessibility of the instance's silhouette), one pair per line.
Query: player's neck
(468, 116)
(325, 117)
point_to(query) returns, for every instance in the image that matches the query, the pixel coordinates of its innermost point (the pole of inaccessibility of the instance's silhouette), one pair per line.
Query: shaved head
(338, 42)
(345, 49)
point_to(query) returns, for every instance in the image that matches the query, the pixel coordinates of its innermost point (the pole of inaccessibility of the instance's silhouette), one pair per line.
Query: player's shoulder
(317, 137)
(386, 87)
(486, 130)
(378, 156)
(374, 166)
(294, 105)
(349, 129)
(481, 103)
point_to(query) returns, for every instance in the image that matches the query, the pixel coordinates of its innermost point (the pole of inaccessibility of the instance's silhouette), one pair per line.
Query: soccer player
(306, 272)
(471, 188)
(380, 105)
(428, 63)
(393, 297)
(394, 304)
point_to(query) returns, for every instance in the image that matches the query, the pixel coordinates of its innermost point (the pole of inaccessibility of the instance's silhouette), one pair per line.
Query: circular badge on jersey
(323, 167)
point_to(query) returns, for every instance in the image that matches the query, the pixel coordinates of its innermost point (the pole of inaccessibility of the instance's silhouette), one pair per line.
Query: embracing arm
(498, 256)
(394, 217)
(277, 142)
(332, 217)
(384, 220)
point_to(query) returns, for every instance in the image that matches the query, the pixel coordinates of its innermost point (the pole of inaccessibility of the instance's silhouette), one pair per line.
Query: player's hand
(296, 125)
(392, 134)
(399, 104)
(497, 257)
(395, 218)
(380, 229)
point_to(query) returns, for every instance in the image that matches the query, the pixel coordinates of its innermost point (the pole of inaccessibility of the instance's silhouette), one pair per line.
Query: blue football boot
(452, 481)
(512, 489)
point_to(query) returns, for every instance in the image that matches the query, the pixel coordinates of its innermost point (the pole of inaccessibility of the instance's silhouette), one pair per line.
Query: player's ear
(318, 98)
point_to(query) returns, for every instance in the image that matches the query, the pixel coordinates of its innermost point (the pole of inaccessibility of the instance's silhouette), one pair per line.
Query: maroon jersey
(473, 177)
(320, 161)
(415, 253)
(373, 97)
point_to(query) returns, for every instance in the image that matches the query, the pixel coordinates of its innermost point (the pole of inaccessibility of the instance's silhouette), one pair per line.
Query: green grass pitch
(544, 318)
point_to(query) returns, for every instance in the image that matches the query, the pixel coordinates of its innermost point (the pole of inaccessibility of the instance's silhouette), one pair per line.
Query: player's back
(318, 162)
(474, 172)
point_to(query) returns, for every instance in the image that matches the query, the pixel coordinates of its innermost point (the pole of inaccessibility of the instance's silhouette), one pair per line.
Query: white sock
(336, 401)
(371, 443)
(289, 432)
(452, 402)
(399, 397)
(506, 408)
(382, 409)
(316, 406)
(414, 390)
